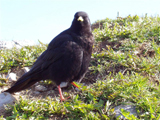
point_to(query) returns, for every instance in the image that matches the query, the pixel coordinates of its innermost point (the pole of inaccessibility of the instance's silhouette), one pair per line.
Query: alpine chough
(66, 58)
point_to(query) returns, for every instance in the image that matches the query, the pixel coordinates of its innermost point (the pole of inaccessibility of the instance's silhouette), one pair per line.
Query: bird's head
(81, 22)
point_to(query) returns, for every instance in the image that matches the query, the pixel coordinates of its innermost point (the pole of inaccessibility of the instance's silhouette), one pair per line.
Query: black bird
(66, 59)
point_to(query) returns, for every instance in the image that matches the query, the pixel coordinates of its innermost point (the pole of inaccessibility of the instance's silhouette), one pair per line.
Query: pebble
(11, 77)
(77, 89)
(26, 69)
(63, 84)
(17, 93)
(128, 108)
(36, 92)
(6, 98)
(40, 88)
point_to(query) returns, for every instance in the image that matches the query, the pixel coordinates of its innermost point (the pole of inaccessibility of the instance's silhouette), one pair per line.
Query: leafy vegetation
(15, 57)
(125, 65)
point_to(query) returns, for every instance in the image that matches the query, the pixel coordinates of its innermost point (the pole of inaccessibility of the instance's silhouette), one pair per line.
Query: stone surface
(3, 88)
(6, 98)
(17, 93)
(63, 84)
(40, 88)
(26, 69)
(129, 108)
(11, 77)
(77, 89)
(37, 83)
(36, 92)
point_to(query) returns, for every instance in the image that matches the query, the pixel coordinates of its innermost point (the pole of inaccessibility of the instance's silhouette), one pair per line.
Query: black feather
(66, 58)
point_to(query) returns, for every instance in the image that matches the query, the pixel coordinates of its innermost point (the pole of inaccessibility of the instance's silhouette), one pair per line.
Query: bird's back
(73, 56)
(66, 58)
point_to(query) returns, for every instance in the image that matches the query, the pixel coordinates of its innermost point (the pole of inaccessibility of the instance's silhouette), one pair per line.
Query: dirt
(51, 91)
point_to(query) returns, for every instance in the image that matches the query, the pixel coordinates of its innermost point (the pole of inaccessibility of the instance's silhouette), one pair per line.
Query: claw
(61, 95)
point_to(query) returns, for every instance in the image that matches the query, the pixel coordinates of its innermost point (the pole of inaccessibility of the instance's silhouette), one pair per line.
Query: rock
(136, 52)
(17, 93)
(84, 84)
(128, 108)
(11, 77)
(6, 98)
(77, 89)
(36, 92)
(37, 83)
(40, 88)
(63, 84)
(3, 89)
(51, 91)
(26, 69)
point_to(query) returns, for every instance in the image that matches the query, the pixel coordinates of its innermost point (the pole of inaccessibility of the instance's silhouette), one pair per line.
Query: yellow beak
(80, 18)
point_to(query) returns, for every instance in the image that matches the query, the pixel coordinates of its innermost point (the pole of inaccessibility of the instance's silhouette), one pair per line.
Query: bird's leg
(60, 92)
(74, 84)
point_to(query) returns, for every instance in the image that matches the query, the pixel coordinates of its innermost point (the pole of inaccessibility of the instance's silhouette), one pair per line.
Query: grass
(15, 57)
(125, 65)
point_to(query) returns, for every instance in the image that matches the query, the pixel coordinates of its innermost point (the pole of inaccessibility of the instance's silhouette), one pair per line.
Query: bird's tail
(22, 83)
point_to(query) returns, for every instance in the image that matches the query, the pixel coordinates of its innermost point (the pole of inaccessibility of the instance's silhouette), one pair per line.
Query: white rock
(26, 69)
(40, 88)
(17, 93)
(128, 108)
(136, 52)
(6, 98)
(3, 89)
(63, 84)
(11, 77)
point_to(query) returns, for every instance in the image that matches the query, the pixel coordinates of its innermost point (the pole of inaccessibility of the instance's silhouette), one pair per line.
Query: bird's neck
(81, 30)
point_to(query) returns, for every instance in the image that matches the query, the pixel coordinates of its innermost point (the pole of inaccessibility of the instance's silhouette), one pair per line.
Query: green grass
(15, 57)
(125, 65)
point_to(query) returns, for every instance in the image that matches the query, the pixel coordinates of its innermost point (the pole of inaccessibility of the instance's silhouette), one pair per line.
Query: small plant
(125, 68)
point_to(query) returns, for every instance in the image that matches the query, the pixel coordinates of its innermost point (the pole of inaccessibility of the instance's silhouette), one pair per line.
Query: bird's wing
(57, 49)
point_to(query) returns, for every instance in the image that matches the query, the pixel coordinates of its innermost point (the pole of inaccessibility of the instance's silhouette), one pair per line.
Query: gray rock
(77, 89)
(11, 77)
(36, 92)
(40, 88)
(128, 108)
(6, 98)
(26, 69)
(84, 84)
(37, 83)
(63, 84)
(51, 91)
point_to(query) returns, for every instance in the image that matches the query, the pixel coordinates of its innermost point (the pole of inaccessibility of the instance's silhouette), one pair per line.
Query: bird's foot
(64, 99)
